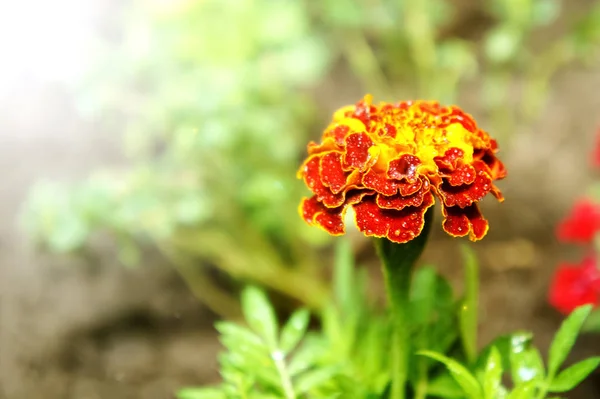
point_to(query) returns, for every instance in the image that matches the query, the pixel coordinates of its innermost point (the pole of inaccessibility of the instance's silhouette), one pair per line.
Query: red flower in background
(575, 285)
(582, 224)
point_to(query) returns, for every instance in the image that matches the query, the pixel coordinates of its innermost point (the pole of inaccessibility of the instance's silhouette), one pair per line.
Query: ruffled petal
(462, 175)
(331, 172)
(459, 222)
(357, 153)
(312, 177)
(496, 168)
(400, 201)
(466, 194)
(397, 226)
(404, 168)
(316, 214)
(449, 161)
(378, 181)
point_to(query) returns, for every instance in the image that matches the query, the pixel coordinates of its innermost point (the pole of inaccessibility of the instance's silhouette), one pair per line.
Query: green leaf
(461, 375)
(242, 342)
(572, 376)
(294, 330)
(526, 362)
(524, 391)
(201, 393)
(315, 378)
(565, 338)
(260, 315)
(493, 375)
(241, 334)
(445, 386)
(307, 355)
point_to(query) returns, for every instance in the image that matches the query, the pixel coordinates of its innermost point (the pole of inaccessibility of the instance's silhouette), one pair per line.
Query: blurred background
(149, 151)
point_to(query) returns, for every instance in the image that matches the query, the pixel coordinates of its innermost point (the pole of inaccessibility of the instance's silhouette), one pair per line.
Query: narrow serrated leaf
(294, 330)
(240, 333)
(307, 355)
(565, 338)
(460, 373)
(260, 315)
(314, 379)
(573, 375)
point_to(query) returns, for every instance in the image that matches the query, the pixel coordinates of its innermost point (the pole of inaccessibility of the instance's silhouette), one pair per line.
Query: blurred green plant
(348, 355)
(215, 98)
(434, 48)
(215, 118)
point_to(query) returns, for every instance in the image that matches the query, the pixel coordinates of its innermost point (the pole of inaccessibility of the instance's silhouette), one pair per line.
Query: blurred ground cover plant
(215, 97)
(385, 162)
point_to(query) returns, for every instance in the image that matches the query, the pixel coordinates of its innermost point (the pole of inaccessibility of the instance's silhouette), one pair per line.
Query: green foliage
(516, 354)
(348, 354)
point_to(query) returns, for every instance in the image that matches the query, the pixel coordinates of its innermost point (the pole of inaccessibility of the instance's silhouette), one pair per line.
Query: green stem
(469, 309)
(398, 262)
(288, 389)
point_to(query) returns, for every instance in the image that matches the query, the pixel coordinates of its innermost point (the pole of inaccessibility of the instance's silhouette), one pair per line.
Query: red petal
(338, 134)
(582, 224)
(401, 201)
(449, 161)
(464, 174)
(496, 168)
(330, 220)
(312, 177)
(459, 222)
(575, 285)
(379, 182)
(404, 168)
(467, 194)
(357, 151)
(332, 174)
(398, 226)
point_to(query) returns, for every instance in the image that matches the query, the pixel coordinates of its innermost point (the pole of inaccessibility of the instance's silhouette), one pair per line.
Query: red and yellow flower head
(387, 161)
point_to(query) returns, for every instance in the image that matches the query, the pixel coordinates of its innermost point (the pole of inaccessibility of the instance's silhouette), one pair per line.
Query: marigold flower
(582, 224)
(387, 161)
(575, 285)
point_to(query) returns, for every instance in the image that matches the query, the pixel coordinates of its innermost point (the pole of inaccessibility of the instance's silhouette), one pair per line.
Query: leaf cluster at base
(347, 357)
